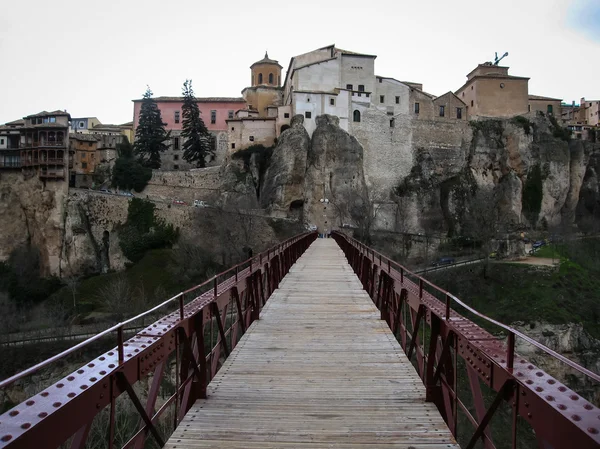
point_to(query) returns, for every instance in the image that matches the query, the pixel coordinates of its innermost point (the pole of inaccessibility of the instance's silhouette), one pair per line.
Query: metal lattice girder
(559, 416)
(69, 406)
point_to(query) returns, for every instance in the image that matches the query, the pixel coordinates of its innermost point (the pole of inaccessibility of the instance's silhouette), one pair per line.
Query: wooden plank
(319, 369)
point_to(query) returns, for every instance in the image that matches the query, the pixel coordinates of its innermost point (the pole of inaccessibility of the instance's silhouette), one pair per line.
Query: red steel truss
(560, 417)
(208, 322)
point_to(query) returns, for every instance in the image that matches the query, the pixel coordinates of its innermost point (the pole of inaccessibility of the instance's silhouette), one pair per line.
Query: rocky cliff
(32, 212)
(426, 177)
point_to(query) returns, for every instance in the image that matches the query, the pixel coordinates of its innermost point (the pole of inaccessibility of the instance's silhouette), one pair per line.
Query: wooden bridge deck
(318, 370)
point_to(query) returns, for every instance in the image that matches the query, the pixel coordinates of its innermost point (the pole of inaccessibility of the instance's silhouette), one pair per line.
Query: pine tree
(197, 145)
(150, 135)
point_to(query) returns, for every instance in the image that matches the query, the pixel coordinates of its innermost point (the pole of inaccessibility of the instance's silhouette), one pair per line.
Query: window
(260, 78)
(84, 165)
(471, 103)
(81, 124)
(230, 114)
(213, 117)
(549, 109)
(392, 124)
(458, 112)
(307, 114)
(382, 98)
(90, 144)
(52, 119)
(233, 146)
(1, 141)
(463, 94)
(251, 138)
(175, 157)
(286, 115)
(529, 107)
(332, 101)
(471, 87)
(397, 100)
(416, 108)
(361, 87)
(380, 80)
(176, 143)
(270, 78)
(175, 167)
(83, 156)
(442, 111)
(349, 86)
(233, 128)
(356, 115)
(176, 116)
(308, 99)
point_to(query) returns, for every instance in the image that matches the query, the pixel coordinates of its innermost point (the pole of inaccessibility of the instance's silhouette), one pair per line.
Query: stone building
(82, 151)
(591, 111)
(84, 124)
(10, 144)
(44, 145)
(547, 105)
(259, 122)
(491, 92)
(215, 111)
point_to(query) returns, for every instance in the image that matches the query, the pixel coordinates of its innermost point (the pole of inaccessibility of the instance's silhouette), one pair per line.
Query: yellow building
(265, 88)
(491, 92)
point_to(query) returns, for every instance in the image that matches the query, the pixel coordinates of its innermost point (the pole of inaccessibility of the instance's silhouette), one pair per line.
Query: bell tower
(266, 72)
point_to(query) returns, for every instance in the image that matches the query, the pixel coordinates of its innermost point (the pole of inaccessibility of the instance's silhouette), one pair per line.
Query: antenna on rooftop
(497, 60)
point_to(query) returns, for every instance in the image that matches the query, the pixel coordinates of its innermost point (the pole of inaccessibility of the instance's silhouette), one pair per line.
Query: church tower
(266, 72)
(265, 87)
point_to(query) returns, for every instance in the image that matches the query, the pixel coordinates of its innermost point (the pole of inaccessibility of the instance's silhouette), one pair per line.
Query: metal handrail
(235, 269)
(510, 329)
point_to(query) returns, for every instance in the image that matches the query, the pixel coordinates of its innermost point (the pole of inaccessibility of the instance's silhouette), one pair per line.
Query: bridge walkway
(319, 369)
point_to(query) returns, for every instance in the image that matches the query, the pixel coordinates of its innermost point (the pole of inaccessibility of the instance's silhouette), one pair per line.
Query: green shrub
(143, 231)
(524, 123)
(558, 131)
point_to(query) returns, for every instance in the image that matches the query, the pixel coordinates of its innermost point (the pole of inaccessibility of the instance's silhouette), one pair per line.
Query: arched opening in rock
(296, 207)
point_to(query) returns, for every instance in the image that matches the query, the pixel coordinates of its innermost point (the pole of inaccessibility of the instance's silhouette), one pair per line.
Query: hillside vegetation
(517, 292)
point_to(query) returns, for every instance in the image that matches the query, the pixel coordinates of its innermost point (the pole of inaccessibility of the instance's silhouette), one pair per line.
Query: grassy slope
(150, 273)
(515, 292)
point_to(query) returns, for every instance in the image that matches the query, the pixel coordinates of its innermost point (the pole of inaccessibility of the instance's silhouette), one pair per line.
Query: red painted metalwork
(559, 416)
(67, 408)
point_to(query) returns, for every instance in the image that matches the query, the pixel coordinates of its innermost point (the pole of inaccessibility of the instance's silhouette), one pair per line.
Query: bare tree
(117, 297)
(362, 210)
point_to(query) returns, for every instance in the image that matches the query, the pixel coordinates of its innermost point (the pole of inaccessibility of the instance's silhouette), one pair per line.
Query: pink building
(214, 111)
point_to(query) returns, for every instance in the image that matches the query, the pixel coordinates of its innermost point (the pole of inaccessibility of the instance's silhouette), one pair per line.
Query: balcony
(49, 161)
(49, 174)
(10, 164)
(44, 144)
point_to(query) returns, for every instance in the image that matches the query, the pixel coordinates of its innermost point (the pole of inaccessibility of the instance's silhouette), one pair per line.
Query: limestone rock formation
(31, 212)
(282, 191)
(334, 171)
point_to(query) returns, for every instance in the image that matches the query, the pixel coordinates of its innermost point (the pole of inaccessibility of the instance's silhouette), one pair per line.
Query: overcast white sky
(93, 58)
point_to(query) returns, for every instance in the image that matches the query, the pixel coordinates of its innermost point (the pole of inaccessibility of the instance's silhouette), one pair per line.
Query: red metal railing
(559, 416)
(194, 339)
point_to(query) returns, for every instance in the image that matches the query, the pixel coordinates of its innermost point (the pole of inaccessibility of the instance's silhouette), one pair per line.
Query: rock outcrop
(334, 172)
(32, 212)
(282, 191)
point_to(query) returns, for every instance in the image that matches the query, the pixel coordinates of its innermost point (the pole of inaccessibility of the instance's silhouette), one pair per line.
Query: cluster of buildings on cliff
(328, 80)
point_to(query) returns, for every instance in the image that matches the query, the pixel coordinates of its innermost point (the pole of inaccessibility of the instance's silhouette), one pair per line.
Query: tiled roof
(58, 112)
(538, 97)
(201, 99)
(266, 60)
(83, 137)
(353, 53)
